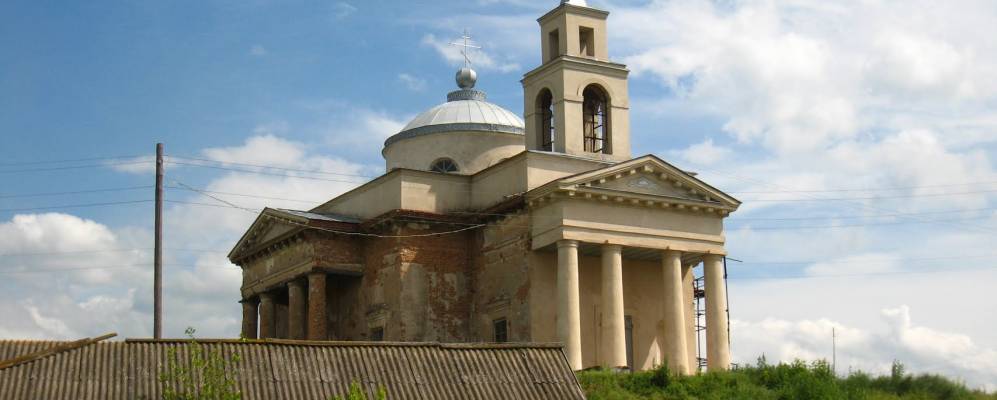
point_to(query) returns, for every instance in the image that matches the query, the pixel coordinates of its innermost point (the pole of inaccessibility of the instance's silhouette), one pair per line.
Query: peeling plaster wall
(501, 279)
(416, 288)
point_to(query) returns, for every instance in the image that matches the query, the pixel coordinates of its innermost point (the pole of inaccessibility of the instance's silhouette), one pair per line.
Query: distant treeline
(795, 381)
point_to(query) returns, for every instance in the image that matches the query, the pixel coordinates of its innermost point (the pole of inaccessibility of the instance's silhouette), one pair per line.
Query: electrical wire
(880, 189)
(249, 195)
(60, 253)
(288, 221)
(248, 171)
(114, 203)
(13, 171)
(860, 274)
(311, 171)
(46, 194)
(69, 161)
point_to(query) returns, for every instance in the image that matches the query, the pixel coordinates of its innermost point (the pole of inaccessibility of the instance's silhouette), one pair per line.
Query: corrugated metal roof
(277, 369)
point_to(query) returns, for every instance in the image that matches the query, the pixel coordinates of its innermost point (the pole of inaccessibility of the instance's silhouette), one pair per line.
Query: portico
(647, 216)
(676, 306)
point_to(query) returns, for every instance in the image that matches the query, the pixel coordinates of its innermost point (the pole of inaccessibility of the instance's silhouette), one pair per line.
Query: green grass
(795, 381)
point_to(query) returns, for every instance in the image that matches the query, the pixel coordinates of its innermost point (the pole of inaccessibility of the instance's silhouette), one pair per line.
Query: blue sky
(860, 134)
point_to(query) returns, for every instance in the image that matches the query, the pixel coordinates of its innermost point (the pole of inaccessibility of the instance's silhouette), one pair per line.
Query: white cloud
(65, 277)
(411, 82)
(804, 75)
(921, 349)
(342, 10)
(258, 51)
(705, 153)
(141, 165)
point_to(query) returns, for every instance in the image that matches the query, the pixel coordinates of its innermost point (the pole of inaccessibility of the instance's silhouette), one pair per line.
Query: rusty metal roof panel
(277, 369)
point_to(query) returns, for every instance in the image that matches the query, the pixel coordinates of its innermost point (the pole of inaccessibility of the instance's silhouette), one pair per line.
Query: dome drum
(467, 129)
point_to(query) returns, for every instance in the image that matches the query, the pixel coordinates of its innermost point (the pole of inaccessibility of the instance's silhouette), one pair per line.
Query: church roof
(465, 110)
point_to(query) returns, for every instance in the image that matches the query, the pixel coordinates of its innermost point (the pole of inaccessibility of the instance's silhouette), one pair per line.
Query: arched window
(444, 165)
(595, 120)
(545, 118)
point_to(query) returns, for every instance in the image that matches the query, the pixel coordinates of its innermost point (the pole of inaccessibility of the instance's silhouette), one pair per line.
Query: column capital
(612, 247)
(251, 300)
(266, 297)
(567, 243)
(713, 257)
(296, 283)
(673, 253)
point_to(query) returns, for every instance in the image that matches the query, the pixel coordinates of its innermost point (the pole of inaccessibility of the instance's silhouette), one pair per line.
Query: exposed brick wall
(331, 249)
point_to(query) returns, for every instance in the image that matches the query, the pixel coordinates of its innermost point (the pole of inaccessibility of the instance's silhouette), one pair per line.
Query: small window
(545, 115)
(554, 44)
(377, 334)
(501, 328)
(444, 165)
(586, 41)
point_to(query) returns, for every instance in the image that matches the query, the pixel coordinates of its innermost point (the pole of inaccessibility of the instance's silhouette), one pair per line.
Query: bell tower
(576, 101)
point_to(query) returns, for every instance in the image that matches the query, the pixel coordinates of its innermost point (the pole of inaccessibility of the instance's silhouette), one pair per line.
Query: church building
(489, 227)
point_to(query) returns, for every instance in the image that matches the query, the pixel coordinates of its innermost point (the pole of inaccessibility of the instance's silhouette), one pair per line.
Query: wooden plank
(57, 349)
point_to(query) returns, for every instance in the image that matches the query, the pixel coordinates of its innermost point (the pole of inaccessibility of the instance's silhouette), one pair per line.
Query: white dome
(466, 111)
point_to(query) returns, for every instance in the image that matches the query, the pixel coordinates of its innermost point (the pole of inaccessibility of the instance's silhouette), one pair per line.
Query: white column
(676, 352)
(569, 327)
(614, 342)
(717, 342)
(688, 296)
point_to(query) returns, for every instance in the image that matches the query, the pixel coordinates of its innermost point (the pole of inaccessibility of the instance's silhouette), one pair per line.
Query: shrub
(793, 381)
(356, 393)
(203, 377)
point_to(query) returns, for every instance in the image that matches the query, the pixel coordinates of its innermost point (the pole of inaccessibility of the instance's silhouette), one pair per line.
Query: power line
(45, 194)
(867, 262)
(780, 228)
(881, 189)
(68, 161)
(858, 205)
(248, 195)
(59, 253)
(288, 221)
(906, 196)
(115, 203)
(40, 270)
(311, 171)
(74, 167)
(859, 274)
(249, 171)
(735, 218)
(229, 205)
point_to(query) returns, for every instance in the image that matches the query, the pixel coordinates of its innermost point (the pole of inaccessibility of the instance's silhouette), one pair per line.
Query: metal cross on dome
(465, 46)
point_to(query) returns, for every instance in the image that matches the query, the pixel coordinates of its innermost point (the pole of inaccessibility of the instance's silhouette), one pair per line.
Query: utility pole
(834, 352)
(157, 325)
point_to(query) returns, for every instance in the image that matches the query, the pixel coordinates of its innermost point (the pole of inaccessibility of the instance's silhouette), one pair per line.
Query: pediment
(646, 183)
(263, 230)
(649, 176)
